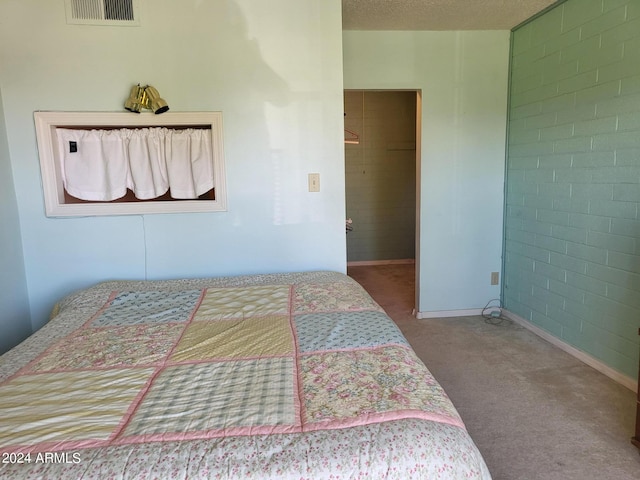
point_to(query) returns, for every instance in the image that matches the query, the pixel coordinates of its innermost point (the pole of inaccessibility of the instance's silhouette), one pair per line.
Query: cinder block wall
(572, 247)
(380, 174)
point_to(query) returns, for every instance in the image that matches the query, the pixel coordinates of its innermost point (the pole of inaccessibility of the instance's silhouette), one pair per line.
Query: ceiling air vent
(103, 12)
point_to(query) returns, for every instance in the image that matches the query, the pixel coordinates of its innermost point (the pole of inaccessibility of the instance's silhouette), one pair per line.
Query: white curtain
(147, 162)
(100, 165)
(189, 162)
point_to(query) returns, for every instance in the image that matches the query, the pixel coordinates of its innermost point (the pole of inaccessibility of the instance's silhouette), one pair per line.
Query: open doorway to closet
(381, 171)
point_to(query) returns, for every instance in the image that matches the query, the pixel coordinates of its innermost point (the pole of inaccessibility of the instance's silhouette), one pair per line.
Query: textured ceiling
(438, 14)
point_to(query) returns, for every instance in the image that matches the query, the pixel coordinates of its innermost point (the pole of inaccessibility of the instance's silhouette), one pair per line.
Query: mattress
(282, 376)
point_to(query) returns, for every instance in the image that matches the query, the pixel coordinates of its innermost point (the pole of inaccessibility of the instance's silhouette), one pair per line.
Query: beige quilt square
(70, 406)
(238, 338)
(225, 303)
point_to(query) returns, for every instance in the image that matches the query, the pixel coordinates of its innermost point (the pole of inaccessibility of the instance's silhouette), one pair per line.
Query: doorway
(382, 151)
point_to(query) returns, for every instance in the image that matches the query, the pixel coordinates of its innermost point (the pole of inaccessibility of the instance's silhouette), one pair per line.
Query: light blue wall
(15, 322)
(573, 226)
(462, 77)
(275, 71)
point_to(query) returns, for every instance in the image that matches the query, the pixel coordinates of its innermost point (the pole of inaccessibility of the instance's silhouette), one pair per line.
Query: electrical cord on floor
(492, 313)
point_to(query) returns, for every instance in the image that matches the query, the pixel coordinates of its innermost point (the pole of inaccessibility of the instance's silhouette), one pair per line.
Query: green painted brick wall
(572, 222)
(380, 174)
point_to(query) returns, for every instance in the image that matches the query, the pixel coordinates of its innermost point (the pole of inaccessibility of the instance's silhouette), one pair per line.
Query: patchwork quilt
(128, 367)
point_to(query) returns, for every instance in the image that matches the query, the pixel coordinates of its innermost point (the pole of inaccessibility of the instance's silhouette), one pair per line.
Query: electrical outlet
(495, 278)
(314, 182)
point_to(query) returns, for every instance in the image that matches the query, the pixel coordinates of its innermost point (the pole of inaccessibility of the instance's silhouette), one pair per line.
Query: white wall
(15, 322)
(273, 68)
(463, 80)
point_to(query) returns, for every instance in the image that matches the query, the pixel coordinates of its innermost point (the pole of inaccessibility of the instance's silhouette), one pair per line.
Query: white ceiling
(438, 14)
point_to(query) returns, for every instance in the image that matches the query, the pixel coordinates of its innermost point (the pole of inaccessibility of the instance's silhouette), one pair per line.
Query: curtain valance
(100, 165)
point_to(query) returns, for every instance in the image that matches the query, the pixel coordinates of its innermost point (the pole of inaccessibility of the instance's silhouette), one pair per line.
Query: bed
(297, 375)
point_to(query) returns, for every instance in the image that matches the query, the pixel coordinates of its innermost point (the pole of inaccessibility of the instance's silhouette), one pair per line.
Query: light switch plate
(314, 182)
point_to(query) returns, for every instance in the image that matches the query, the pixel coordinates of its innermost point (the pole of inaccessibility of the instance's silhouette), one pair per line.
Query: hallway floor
(392, 286)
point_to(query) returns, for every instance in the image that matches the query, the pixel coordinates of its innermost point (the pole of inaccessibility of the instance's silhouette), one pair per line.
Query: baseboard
(449, 313)
(593, 362)
(364, 263)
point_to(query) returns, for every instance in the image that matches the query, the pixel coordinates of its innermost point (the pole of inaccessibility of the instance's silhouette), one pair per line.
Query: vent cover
(103, 12)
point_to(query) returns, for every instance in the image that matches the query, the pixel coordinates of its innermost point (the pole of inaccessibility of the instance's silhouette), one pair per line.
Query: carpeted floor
(534, 411)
